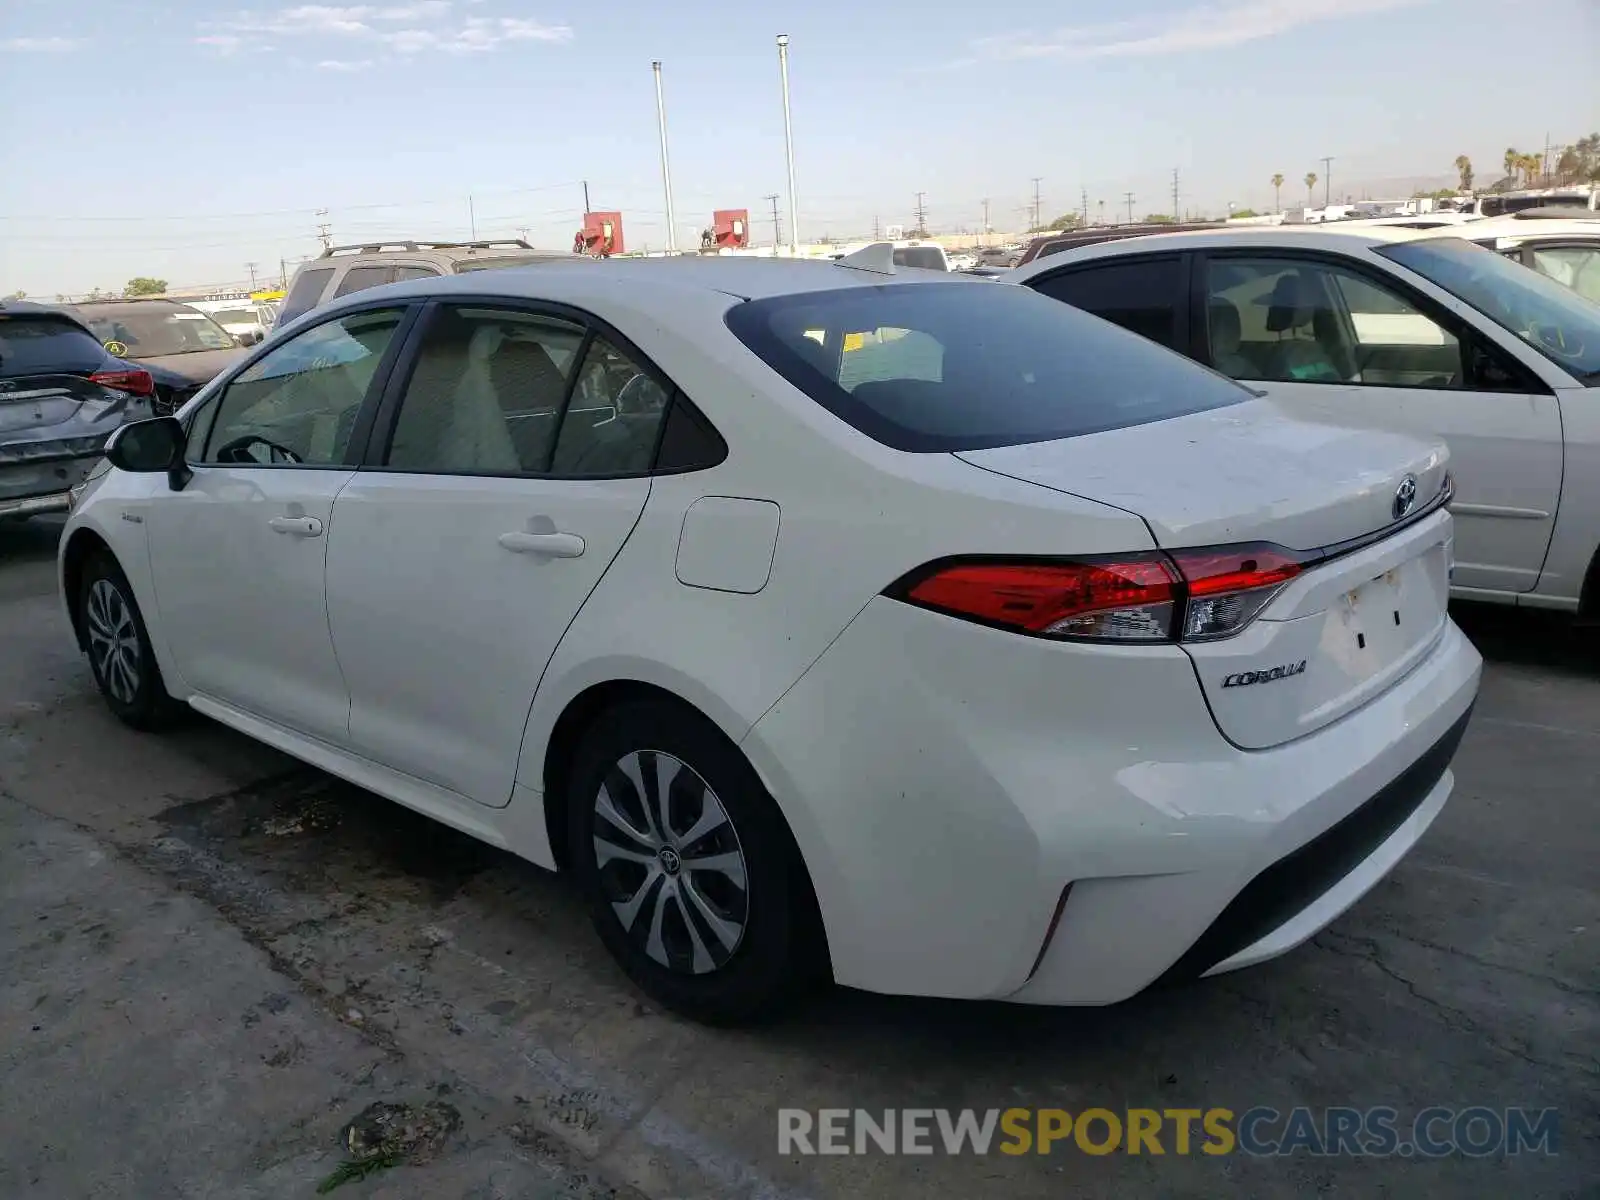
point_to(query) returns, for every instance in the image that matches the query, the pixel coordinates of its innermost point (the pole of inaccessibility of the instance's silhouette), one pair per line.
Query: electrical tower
(1085, 206)
(1038, 202)
(922, 216)
(1129, 196)
(1327, 181)
(777, 229)
(251, 267)
(1177, 214)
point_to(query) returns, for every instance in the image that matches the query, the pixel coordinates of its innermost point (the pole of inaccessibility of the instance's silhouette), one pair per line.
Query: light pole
(788, 144)
(666, 169)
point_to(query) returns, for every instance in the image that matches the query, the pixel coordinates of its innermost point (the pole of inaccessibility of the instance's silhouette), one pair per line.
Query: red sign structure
(601, 235)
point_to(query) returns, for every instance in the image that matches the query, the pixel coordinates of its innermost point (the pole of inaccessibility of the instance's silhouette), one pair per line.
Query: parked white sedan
(1392, 329)
(816, 617)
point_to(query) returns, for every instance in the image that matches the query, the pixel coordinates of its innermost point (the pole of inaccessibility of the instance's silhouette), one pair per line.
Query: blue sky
(184, 139)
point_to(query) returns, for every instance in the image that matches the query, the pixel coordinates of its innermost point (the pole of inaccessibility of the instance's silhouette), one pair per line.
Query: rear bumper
(946, 783)
(42, 485)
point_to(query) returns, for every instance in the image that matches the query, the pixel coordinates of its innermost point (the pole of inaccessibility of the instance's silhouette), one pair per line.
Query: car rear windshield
(140, 332)
(965, 366)
(43, 344)
(928, 257)
(1554, 320)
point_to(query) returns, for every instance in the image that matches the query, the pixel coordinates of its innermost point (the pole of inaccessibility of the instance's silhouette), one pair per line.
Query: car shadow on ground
(1530, 637)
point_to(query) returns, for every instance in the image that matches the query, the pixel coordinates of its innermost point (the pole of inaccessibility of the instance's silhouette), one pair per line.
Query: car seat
(1294, 308)
(1225, 334)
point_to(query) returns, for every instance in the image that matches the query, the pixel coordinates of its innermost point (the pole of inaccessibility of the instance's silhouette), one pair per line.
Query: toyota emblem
(1405, 496)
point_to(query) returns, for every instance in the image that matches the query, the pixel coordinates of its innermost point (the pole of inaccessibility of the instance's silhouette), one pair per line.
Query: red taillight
(1124, 598)
(1184, 595)
(137, 380)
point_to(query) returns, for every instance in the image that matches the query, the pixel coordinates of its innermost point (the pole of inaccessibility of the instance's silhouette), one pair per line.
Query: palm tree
(1311, 189)
(1464, 169)
(1277, 193)
(1513, 161)
(1532, 168)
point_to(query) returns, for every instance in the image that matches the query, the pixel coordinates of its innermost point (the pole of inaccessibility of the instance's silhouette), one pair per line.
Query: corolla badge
(1405, 496)
(1270, 675)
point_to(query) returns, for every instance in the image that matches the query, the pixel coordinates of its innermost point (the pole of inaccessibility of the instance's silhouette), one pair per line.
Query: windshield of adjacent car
(134, 332)
(928, 257)
(965, 366)
(1554, 320)
(236, 316)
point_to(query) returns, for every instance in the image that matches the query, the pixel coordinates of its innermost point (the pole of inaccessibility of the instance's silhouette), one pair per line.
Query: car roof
(30, 308)
(127, 302)
(1329, 236)
(1514, 227)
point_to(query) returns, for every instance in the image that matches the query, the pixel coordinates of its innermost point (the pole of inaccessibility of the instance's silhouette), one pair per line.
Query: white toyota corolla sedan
(820, 619)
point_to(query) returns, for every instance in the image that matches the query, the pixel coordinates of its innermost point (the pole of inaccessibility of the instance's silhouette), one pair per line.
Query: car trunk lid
(1370, 598)
(42, 402)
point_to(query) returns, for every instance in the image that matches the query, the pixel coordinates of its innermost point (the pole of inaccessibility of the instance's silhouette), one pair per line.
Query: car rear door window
(359, 279)
(298, 403)
(46, 344)
(486, 394)
(401, 274)
(1143, 295)
(1308, 321)
(940, 366)
(305, 294)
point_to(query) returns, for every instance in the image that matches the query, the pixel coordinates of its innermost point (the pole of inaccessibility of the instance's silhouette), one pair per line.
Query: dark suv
(61, 395)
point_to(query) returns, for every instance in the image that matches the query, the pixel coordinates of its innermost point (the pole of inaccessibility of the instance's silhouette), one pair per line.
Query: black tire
(775, 958)
(106, 600)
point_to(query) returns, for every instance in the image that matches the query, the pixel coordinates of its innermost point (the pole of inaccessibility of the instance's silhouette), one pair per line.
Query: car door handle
(296, 526)
(551, 545)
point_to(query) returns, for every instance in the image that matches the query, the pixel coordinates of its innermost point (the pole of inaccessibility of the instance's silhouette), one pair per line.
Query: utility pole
(777, 229)
(586, 197)
(922, 216)
(986, 214)
(1327, 181)
(472, 218)
(1038, 203)
(324, 230)
(1102, 212)
(283, 273)
(1544, 176)
(788, 145)
(251, 267)
(875, 234)
(1129, 196)
(666, 170)
(1085, 206)
(1176, 211)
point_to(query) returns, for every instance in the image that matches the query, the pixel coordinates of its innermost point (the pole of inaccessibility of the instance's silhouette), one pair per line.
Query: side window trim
(1457, 327)
(386, 412)
(1183, 301)
(360, 432)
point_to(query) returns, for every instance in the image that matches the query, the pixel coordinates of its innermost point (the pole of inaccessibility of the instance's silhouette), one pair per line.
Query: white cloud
(1211, 27)
(343, 64)
(427, 26)
(222, 43)
(40, 45)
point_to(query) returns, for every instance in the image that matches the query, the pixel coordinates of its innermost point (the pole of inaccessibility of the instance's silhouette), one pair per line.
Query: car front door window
(297, 404)
(1305, 321)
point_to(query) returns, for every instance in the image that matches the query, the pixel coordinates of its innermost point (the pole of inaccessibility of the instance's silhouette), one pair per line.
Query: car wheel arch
(591, 705)
(81, 547)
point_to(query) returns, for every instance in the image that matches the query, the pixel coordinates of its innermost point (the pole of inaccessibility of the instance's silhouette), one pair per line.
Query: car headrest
(1289, 306)
(1227, 329)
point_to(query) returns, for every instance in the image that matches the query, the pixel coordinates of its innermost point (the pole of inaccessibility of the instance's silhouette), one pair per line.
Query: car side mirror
(145, 447)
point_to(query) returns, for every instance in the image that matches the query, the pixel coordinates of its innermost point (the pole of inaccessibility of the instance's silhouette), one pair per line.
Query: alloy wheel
(114, 645)
(670, 862)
